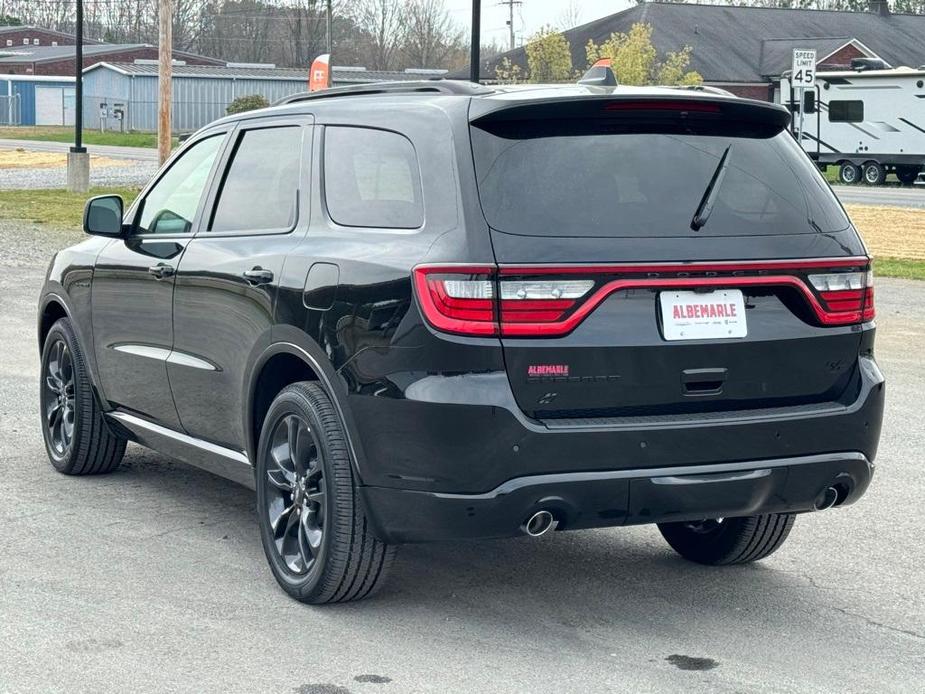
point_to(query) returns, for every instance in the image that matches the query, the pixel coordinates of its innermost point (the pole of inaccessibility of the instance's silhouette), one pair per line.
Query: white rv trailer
(866, 122)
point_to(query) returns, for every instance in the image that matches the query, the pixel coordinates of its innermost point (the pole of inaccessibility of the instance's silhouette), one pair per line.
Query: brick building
(18, 36)
(745, 49)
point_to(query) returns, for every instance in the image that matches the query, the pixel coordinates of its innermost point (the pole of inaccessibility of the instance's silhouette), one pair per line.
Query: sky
(529, 15)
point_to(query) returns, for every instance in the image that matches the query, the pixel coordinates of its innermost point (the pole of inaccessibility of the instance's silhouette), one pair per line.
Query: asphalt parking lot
(153, 579)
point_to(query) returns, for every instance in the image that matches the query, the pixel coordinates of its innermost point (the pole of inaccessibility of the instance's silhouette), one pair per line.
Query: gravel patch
(132, 173)
(26, 244)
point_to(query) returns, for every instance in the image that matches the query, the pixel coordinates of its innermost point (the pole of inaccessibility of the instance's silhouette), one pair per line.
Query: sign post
(803, 77)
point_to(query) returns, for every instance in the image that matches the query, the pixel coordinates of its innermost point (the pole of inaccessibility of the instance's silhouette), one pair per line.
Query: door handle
(258, 276)
(162, 270)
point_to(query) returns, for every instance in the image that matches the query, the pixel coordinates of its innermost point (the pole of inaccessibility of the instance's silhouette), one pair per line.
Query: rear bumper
(621, 497)
(457, 459)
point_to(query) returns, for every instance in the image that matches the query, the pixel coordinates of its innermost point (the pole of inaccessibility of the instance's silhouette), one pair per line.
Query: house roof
(10, 29)
(44, 54)
(47, 54)
(340, 75)
(727, 41)
(777, 54)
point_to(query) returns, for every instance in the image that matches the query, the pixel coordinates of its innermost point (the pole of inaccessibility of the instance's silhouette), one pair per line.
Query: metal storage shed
(124, 95)
(36, 100)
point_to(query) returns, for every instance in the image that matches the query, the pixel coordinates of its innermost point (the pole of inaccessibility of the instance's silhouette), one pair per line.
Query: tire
(907, 174)
(874, 173)
(848, 173)
(322, 549)
(68, 404)
(728, 540)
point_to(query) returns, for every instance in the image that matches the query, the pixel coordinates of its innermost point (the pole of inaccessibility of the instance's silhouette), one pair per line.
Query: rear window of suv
(559, 178)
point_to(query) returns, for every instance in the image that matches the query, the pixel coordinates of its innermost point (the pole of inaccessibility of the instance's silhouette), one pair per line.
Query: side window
(371, 179)
(846, 111)
(171, 204)
(260, 190)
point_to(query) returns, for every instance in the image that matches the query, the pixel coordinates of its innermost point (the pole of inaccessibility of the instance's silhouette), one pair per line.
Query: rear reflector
(485, 300)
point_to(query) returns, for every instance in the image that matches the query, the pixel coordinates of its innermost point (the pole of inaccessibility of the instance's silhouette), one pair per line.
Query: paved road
(153, 579)
(113, 152)
(890, 196)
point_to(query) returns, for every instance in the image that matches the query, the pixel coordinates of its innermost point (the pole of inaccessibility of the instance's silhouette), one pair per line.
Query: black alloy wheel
(721, 541)
(78, 439)
(58, 406)
(295, 493)
(318, 541)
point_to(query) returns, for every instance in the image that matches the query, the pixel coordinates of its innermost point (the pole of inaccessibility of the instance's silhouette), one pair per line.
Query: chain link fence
(10, 110)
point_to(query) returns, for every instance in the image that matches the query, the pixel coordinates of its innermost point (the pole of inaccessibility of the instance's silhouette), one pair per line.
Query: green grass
(899, 267)
(90, 137)
(55, 208)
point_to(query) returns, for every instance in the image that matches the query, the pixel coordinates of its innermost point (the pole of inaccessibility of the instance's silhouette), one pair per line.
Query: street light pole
(79, 77)
(78, 161)
(474, 49)
(329, 29)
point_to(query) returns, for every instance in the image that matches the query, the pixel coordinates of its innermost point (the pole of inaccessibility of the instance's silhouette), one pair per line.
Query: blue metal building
(123, 96)
(36, 100)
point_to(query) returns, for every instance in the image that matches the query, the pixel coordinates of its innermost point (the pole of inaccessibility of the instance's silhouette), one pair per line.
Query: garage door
(49, 106)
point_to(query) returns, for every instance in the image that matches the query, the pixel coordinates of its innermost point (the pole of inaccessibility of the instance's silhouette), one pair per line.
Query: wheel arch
(280, 365)
(52, 309)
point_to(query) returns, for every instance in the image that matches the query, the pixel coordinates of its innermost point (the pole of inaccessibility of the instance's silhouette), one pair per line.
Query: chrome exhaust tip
(539, 523)
(827, 499)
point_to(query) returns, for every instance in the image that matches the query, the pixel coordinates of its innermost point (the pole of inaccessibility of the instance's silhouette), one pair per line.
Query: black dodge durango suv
(439, 310)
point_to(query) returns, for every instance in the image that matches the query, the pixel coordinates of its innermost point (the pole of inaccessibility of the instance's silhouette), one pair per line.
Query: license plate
(703, 316)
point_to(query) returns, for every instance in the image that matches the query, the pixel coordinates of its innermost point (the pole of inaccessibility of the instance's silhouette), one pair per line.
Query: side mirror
(103, 216)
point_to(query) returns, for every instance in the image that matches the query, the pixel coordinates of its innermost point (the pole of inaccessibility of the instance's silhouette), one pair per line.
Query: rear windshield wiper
(709, 195)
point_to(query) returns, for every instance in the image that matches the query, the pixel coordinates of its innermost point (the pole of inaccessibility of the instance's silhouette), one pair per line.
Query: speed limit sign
(804, 68)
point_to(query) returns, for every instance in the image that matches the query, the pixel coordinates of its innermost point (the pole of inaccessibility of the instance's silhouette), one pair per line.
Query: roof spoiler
(696, 106)
(600, 74)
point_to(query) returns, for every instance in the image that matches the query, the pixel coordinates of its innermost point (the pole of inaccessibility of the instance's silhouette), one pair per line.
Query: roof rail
(433, 86)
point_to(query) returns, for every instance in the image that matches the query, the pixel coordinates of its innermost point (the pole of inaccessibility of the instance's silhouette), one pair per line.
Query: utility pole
(164, 78)
(329, 29)
(510, 17)
(78, 160)
(475, 46)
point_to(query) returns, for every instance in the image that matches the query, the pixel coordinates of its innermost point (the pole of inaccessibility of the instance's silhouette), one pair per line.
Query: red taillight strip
(837, 310)
(570, 323)
(719, 266)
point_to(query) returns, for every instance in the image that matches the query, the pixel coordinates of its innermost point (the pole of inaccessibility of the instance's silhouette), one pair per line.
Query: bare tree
(430, 34)
(570, 16)
(381, 22)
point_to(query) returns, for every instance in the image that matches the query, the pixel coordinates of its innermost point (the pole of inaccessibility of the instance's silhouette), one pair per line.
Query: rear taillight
(549, 301)
(848, 297)
(541, 301)
(458, 300)
(464, 300)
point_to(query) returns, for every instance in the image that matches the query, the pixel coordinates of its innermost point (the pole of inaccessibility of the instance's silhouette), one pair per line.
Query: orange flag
(320, 75)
